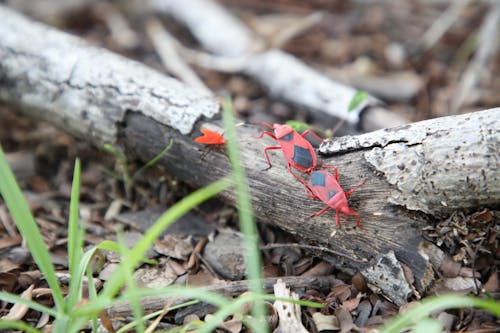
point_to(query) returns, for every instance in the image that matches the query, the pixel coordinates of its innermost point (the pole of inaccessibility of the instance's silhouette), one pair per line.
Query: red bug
(325, 186)
(297, 150)
(212, 139)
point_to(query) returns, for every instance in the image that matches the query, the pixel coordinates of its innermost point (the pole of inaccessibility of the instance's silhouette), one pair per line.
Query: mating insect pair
(300, 155)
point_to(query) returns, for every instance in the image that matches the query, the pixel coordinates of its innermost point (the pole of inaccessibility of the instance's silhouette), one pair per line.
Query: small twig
(443, 23)
(488, 47)
(120, 30)
(165, 310)
(231, 288)
(314, 248)
(225, 64)
(166, 46)
(291, 31)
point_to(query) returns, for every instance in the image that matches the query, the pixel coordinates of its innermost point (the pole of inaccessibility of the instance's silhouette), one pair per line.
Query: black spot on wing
(318, 179)
(287, 137)
(332, 193)
(302, 157)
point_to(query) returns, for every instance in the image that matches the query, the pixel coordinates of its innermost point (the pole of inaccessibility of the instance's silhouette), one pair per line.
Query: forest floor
(375, 46)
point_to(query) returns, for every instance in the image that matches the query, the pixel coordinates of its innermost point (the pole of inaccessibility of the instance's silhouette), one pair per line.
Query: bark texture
(436, 166)
(102, 98)
(90, 89)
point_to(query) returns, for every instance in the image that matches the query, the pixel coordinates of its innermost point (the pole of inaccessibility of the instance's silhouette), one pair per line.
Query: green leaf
(75, 241)
(253, 260)
(154, 160)
(115, 152)
(14, 199)
(438, 303)
(356, 100)
(17, 325)
(299, 126)
(11, 298)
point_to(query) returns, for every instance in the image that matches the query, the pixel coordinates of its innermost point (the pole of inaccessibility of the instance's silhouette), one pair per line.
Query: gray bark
(435, 166)
(89, 89)
(105, 98)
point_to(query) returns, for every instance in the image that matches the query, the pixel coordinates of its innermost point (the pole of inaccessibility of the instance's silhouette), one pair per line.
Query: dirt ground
(355, 42)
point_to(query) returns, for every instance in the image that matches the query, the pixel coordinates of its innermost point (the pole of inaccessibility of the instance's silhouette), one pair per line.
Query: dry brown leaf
(492, 285)
(235, 324)
(202, 278)
(9, 241)
(6, 266)
(342, 291)
(19, 310)
(43, 320)
(351, 304)
(359, 282)
(8, 281)
(189, 318)
(324, 322)
(106, 321)
(155, 277)
(320, 269)
(198, 249)
(176, 267)
(345, 320)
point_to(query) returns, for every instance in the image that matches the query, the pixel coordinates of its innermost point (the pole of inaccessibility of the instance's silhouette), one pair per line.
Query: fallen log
(104, 98)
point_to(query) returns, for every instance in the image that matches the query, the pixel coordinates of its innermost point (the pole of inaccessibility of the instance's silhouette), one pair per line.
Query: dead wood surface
(229, 289)
(105, 98)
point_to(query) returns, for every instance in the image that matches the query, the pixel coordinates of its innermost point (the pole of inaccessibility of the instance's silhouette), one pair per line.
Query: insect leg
(302, 181)
(335, 170)
(348, 193)
(321, 211)
(267, 155)
(337, 218)
(268, 134)
(358, 222)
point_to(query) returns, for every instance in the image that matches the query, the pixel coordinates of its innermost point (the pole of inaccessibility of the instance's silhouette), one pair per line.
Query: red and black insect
(325, 186)
(297, 150)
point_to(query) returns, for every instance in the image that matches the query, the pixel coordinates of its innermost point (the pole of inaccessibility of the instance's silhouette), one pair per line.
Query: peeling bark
(436, 166)
(90, 88)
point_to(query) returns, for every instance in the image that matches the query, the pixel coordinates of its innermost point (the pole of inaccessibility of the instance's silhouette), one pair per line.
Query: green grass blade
(154, 160)
(116, 280)
(248, 227)
(232, 308)
(92, 297)
(131, 292)
(13, 197)
(132, 324)
(11, 298)
(17, 325)
(172, 291)
(115, 152)
(75, 241)
(439, 303)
